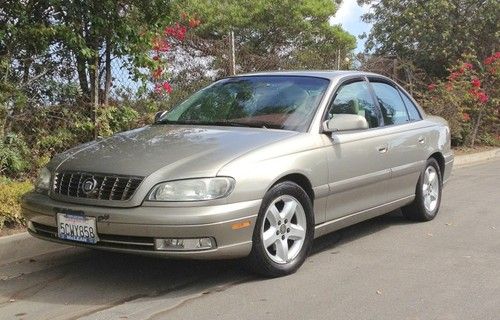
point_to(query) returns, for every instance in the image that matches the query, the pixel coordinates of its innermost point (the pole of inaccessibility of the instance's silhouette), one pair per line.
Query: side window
(354, 98)
(412, 109)
(391, 104)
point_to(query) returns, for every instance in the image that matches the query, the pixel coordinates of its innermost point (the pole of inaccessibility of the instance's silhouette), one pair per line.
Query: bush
(13, 154)
(10, 196)
(114, 119)
(468, 100)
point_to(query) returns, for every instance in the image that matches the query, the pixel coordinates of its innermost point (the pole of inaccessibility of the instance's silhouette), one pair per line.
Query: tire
(280, 247)
(427, 199)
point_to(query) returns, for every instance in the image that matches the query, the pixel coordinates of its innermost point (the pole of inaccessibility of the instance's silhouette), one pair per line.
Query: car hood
(169, 151)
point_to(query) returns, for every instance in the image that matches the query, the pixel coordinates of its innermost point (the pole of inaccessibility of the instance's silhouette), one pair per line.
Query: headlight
(192, 189)
(42, 183)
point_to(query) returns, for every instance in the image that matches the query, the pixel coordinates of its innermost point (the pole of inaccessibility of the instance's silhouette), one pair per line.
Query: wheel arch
(301, 180)
(438, 156)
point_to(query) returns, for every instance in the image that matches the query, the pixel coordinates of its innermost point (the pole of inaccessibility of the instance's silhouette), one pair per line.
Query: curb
(473, 158)
(23, 246)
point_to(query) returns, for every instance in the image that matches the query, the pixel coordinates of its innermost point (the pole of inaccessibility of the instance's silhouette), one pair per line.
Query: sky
(349, 16)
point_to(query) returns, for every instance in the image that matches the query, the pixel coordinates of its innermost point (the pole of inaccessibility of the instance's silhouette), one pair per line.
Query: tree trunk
(95, 92)
(107, 80)
(395, 69)
(81, 67)
(26, 71)
(476, 128)
(232, 59)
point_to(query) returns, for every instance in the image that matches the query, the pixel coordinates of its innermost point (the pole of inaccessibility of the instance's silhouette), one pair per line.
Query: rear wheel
(284, 231)
(427, 195)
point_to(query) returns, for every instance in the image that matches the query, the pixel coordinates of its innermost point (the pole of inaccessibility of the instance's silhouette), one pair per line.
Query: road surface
(385, 268)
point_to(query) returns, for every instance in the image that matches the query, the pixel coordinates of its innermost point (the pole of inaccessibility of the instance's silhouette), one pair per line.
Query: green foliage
(13, 154)
(115, 119)
(54, 129)
(434, 33)
(10, 194)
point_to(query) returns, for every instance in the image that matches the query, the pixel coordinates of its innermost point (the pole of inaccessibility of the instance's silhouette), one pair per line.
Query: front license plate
(77, 228)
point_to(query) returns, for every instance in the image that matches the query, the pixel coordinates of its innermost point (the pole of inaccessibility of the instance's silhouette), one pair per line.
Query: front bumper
(133, 230)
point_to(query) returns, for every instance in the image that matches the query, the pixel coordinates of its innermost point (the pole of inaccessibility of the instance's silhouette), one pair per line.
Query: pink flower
(181, 33)
(167, 87)
(431, 87)
(161, 45)
(177, 31)
(158, 88)
(170, 31)
(465, 116)
(482, 97)
(468, 66)
(473, 92)
(489, 60)
(476, 83)
(454, 76)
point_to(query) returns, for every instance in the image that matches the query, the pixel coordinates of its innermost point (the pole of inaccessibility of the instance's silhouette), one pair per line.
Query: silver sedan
(253, 166)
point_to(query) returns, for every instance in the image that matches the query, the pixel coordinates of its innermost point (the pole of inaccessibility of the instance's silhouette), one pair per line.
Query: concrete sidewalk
(473, 158)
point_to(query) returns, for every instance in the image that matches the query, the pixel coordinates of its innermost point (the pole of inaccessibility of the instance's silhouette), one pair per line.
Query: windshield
(279, 102)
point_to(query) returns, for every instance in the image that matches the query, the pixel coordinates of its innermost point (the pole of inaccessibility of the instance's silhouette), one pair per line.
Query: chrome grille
(105, 187)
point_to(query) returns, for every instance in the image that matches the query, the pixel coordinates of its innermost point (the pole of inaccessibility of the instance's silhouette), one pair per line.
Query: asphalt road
(385, 268)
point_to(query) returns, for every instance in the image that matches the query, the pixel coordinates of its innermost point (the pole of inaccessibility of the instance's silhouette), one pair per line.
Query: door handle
(382, 149)
(421, 140)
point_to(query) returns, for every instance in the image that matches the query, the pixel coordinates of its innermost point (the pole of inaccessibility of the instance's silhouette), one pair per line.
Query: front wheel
(427, 195)
(284, 231)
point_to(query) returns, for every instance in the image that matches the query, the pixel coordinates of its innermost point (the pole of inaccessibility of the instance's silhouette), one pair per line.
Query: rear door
(358, 167)
(406, 138)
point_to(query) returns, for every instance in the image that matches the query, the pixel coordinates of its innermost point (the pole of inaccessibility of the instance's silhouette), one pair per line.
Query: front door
(358, 167)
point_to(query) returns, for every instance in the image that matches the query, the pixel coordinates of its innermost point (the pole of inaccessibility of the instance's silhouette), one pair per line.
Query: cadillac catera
(253, 166)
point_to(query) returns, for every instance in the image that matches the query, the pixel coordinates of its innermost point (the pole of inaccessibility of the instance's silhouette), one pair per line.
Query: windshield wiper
(222, 123)
(236, 124)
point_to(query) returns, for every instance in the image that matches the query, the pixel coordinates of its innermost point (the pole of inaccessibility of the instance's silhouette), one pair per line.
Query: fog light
(182, 244)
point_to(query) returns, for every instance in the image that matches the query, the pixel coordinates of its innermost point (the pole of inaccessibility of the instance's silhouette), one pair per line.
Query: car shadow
(358, 231)
(90, 281)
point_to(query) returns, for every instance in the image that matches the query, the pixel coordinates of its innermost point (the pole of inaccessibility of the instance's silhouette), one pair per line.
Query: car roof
(327, 74)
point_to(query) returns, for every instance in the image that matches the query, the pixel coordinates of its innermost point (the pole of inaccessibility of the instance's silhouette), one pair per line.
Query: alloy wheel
(284, 229)
(430, 189)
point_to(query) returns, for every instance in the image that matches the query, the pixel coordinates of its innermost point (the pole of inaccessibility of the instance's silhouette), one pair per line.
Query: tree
(60, 43)
(269, 35)
(276, 30)
(433, 33)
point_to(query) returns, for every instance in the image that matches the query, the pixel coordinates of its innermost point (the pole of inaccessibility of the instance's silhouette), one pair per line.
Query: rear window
(411, 107)
(391, 104)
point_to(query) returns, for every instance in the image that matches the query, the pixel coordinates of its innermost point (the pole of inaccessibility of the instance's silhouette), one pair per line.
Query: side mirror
(158, 115)
(345, 122)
